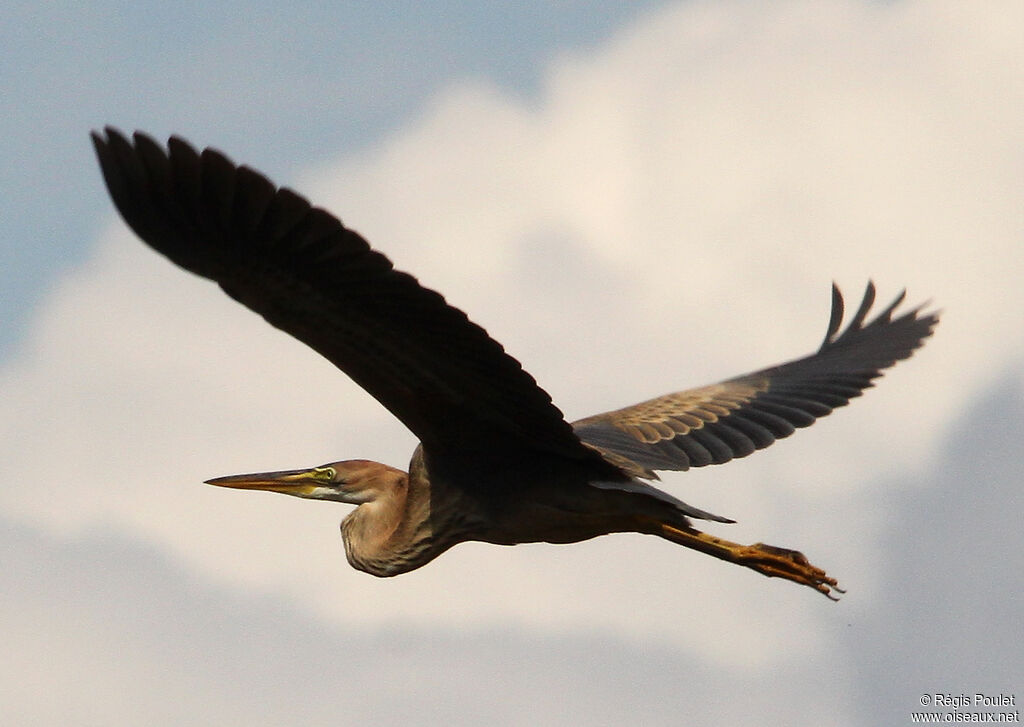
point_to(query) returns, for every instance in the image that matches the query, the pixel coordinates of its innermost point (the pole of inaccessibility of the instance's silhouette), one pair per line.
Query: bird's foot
(765, 559)
(792, 565)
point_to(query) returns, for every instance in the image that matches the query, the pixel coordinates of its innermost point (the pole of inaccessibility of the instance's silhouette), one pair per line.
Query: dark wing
(716, 423)
(307, 274)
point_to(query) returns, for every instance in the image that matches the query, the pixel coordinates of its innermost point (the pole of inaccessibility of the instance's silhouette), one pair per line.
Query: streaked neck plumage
(406, 526)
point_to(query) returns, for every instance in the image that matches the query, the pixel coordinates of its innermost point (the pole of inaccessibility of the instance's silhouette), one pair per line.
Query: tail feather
(643, 488)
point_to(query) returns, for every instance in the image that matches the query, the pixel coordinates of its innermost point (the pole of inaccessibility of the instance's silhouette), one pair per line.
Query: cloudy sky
(633, 201)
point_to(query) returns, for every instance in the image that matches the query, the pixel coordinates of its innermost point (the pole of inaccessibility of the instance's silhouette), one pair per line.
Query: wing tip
(926, 320)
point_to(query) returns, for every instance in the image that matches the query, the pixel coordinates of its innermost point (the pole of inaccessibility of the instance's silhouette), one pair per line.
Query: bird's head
(354, 481)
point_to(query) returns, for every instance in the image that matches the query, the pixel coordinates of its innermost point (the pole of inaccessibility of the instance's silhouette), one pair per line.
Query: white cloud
(685, 194)
(114, 634)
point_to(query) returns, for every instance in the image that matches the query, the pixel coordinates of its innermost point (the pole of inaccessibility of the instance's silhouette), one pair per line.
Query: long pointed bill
(301, 483)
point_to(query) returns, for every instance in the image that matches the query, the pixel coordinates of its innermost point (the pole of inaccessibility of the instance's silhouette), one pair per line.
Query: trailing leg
(765, 559)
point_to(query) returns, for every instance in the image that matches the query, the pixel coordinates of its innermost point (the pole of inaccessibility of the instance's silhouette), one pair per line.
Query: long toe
(792, 565)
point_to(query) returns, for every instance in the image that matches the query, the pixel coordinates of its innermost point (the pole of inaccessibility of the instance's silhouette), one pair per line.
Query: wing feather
(717, 423)
(440, 374)
(310, 276)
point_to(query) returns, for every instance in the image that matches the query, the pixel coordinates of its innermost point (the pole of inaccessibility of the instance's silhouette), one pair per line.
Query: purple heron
(497, 462)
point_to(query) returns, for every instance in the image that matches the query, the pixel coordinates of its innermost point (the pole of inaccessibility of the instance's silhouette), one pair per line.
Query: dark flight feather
(307, 274)
(717, 423)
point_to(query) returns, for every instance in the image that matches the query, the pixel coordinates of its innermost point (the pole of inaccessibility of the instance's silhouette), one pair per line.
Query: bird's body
(497, 461)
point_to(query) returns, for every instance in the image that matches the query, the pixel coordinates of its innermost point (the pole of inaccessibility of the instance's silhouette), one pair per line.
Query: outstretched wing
(307, 274)
(716, 423)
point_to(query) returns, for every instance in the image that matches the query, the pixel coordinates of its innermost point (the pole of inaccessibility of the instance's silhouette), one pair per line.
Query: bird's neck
(407, 526)
(370, 529)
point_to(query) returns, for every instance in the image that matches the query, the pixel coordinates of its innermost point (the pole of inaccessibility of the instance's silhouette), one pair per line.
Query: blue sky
(293, 82)
(632, 201)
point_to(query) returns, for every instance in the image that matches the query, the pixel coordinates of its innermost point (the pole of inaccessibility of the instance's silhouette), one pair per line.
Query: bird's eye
(326, 473)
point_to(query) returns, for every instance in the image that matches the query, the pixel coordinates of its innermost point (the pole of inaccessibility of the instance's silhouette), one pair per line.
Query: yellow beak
(290, 482)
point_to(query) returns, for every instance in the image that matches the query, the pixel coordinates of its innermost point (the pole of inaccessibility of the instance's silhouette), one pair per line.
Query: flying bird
(497, 462)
